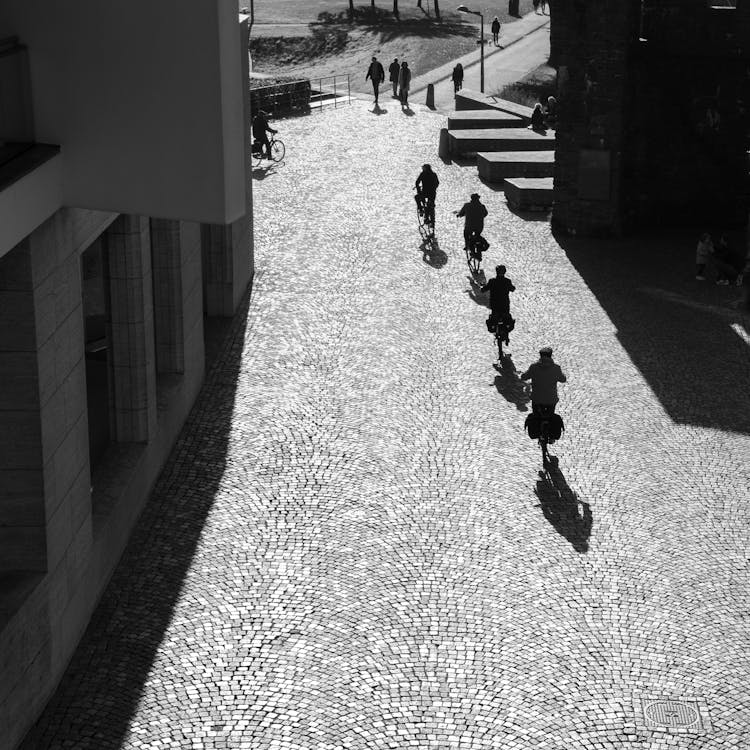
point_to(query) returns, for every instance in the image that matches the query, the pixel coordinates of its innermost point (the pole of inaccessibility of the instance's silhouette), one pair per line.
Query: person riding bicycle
(544, 374)
(260, 128)
(499, 288)
(473, 212)
(427, 185)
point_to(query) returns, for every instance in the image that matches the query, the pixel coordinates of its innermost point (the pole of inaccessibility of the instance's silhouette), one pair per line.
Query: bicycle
(276, 149)
(474, 249)
(501, 328)
(426, 218)
(546, 426)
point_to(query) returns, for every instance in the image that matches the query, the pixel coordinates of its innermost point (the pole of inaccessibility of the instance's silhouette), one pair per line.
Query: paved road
(352, 547)
(501, 68)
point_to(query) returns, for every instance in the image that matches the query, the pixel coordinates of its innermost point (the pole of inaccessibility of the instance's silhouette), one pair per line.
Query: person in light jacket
(404, 81)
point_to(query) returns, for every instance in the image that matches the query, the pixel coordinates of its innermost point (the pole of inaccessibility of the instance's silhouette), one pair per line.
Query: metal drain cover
(671, 714)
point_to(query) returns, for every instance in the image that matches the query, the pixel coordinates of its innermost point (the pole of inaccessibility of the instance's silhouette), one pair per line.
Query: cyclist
(260, 128)
(544, 374)
(473, 212)
(427, 185)
(499, 288)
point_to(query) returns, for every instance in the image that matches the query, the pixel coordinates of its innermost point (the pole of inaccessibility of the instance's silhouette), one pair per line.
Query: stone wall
(654, 107)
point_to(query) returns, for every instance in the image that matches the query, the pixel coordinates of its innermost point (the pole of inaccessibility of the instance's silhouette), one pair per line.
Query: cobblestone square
(352, 545)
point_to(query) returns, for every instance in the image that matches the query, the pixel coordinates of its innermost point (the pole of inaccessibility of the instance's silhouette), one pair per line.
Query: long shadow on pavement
(100, 690)
(685, 336)
(432, 254)
(509, 384)
(569, 516)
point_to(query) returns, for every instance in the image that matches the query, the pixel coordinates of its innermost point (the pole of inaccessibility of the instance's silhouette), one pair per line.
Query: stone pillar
(22, 542)
(132, 329)
(228, 263)
(178, 318)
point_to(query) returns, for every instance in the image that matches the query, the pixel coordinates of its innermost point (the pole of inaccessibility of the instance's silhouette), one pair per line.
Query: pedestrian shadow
(432, 254)
(570, 516)
(509, 384)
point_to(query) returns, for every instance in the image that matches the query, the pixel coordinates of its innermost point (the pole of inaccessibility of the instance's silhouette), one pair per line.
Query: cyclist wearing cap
(427, 185)
(260, 128)
(473, 212)
(544, 374)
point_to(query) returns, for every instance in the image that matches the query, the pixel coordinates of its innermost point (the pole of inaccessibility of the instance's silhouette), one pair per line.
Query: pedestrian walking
(458, 77)
(377, 75)
(404, 81)
(393, 71)
(703, 252)
(495, 28)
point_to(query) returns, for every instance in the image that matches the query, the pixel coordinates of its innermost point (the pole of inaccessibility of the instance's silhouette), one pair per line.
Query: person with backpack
(376, 74)
(544, 375)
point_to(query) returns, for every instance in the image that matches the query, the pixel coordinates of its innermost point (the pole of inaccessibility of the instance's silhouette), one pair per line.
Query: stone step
(529, 193)
(468, 142)
(495, 166)
(466, 99)
(471, 119)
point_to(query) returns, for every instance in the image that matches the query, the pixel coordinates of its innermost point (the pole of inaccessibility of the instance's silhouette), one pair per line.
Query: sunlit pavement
(352, 546)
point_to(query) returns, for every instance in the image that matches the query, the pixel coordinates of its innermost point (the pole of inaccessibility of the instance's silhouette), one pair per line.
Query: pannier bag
(555, 426)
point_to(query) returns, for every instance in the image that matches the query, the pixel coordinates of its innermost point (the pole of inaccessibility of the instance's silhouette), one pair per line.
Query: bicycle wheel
(277, 150)
(499, 341)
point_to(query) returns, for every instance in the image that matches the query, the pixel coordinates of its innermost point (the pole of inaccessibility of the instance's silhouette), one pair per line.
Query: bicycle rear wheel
(499, 340)
(277, 150)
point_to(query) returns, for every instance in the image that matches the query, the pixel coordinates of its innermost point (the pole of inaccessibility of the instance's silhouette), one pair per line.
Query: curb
(473, 58)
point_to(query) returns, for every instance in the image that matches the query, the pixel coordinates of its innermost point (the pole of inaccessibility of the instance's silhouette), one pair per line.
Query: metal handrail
(325, 90)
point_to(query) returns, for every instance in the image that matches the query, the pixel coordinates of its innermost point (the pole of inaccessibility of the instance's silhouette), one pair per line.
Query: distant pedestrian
(458, 77)
(537, 118)
(393, 71)
(495, 30)
(404, 81)
(377, 75)
(703, 253)
(724, 262)
(536, 6)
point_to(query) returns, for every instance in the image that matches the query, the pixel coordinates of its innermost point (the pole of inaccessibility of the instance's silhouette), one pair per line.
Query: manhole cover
(671, 714)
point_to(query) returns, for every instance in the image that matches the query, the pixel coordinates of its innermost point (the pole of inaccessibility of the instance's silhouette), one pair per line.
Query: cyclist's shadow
(474, 292)
(509, 384)
(432, 254)
(570, 516)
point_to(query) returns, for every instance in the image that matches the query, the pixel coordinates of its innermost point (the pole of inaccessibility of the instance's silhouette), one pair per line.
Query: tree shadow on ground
(100, 691)
(509, 384)
(567, 513)
(383, 22)
(685, 336)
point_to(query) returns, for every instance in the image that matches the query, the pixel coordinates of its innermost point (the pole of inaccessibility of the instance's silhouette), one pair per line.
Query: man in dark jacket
(260, 128)
(427, 185)
(473, 212)
(393, 70)
(544, 374)
(499, 288)
(377, 75)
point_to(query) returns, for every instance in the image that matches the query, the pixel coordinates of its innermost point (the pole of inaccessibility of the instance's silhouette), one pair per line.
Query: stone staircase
(496, 133)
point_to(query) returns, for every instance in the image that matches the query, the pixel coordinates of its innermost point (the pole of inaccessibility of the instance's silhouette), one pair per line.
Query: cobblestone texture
(352, 547)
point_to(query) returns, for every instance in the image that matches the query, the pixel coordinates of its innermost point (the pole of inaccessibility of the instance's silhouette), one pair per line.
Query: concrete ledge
(466, 99)
(467, 142)
(472, 119)
(495, 166)
(529, 193)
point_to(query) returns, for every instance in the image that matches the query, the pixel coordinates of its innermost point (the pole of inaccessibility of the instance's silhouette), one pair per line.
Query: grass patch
(534, 87)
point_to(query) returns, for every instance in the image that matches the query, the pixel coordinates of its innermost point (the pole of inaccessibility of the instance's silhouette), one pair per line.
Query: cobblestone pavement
(352, 546)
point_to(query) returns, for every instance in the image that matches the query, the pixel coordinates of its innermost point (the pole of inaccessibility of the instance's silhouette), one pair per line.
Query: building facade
(125, 221)
(654, 102)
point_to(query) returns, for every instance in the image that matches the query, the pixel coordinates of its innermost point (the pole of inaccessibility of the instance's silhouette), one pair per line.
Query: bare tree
(395, 8)
(437, 9)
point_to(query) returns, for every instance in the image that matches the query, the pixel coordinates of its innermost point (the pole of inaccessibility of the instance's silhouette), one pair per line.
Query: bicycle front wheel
(277, 150)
